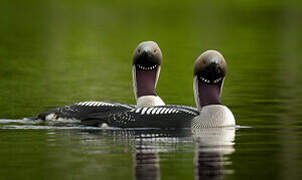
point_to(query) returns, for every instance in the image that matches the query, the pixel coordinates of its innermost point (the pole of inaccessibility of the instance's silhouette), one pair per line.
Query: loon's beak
(214, 60)
(213, 69)
(147, 49)
(146, 53)
(213, 64)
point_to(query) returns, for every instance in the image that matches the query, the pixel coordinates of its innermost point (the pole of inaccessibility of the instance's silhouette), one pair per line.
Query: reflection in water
(146, 163)
(148, 143)
(211, 146)
(210, 161)
(211, 149)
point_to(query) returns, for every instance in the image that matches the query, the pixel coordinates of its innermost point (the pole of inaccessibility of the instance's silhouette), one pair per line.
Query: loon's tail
(31, 118)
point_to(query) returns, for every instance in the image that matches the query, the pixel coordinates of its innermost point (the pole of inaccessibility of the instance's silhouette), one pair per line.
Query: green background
(54, 53)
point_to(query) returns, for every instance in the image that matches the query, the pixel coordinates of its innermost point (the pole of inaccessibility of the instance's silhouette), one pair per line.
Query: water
(54, 53)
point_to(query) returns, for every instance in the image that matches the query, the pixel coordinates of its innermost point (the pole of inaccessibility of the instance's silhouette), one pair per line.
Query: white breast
(147, 101)
(214, 116)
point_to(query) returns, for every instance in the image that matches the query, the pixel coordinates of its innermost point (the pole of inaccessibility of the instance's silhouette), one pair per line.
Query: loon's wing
(82, 110)
(147, 117)
(189, 108)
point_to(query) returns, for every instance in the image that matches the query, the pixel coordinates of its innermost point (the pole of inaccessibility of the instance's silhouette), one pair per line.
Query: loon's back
(75, 113)
(168, 117)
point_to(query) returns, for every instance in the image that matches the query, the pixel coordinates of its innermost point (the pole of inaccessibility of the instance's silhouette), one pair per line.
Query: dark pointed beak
(213, 69)
(147, 51)
(145, 54)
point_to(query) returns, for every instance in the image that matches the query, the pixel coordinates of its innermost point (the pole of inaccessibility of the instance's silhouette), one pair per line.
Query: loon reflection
(148, 145)
(212, 148)
(145, 163)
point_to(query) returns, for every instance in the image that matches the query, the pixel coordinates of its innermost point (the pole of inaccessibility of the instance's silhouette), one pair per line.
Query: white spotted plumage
(166, 111)
(154, 110)
(157, 110)
(170, 111)
(161, 110)
(138, 110)
(96, 104)
(144, 110)
(149, 110)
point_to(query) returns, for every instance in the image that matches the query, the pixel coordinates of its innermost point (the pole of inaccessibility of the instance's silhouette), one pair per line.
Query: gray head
(147, 54)
(146, 62)
(209, 73)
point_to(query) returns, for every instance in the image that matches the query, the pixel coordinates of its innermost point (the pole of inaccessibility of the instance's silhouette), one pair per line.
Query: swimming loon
(146, 63)
(209, 73)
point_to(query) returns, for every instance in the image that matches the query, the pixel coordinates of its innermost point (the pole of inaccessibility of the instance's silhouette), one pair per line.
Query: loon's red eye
(155, 50)
(139, 51)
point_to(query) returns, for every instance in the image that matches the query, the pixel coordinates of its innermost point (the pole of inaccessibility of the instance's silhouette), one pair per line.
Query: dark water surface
(54, 53)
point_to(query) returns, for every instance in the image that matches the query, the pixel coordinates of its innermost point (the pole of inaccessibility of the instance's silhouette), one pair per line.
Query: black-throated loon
(146, 63)
(209, 74)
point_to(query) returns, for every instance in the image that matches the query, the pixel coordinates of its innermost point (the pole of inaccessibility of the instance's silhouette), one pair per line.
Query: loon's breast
(214, 116)
(149, 100)
(170, 116)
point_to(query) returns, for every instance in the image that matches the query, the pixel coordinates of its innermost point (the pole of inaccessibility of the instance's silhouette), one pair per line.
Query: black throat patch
(209, 93)
(145, 81)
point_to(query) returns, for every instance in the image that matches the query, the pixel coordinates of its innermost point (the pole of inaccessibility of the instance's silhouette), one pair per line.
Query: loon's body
(165, 117)
(209, 73)
(146, 63)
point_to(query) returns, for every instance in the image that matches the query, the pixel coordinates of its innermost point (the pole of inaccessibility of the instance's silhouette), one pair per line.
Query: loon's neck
(144, 84)
(206, 94)
(149, 100)
(212, 112)
(144, 81)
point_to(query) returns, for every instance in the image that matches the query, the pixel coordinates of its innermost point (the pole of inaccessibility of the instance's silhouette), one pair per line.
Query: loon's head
(209, 73)
(146, 64)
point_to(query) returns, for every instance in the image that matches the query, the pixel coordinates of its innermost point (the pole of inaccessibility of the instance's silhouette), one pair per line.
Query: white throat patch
(148, 101)
(196, 92)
